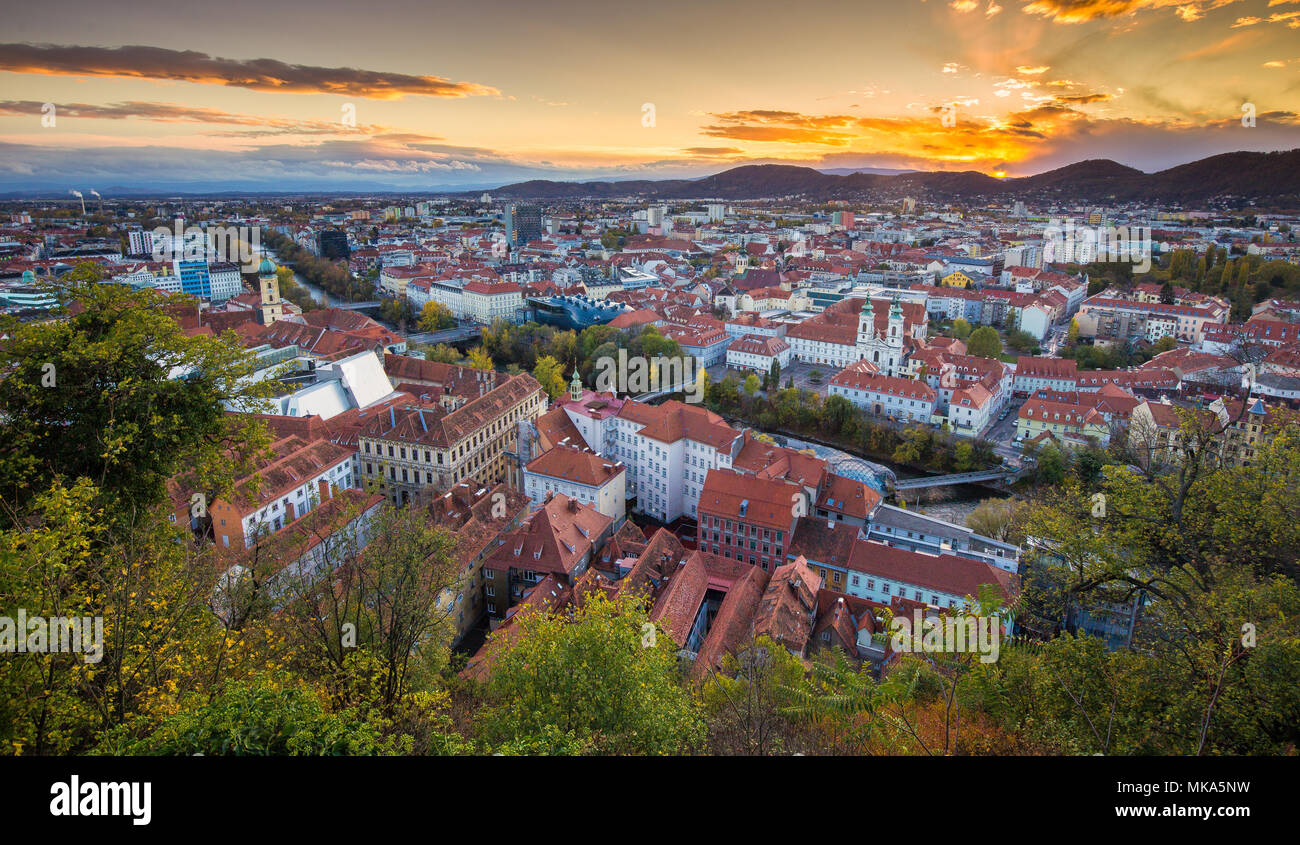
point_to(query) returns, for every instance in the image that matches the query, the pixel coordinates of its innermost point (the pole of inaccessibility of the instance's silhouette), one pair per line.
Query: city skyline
(412, 97)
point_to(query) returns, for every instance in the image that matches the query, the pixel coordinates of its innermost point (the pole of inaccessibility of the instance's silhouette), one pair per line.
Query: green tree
(258, 719)
(963, 457)
(837, 412)
(1051, 465)
(1022, 341)
(550, 376)
(606, 677)
(443, 354)
(746, 702)
(961, 328)
(995, 518)
(435, 316)
(984, 342)
(117, 393)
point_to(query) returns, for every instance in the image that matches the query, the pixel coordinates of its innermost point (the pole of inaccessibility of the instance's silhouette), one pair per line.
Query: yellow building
(272, 308)
(957, 279)
(1069, 424)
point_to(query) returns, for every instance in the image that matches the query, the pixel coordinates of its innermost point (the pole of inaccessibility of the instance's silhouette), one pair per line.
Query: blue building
(194, 278)
(574, 312)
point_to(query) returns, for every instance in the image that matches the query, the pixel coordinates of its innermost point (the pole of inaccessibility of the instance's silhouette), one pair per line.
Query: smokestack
(78, 195)
(324, 487)
(101, 200)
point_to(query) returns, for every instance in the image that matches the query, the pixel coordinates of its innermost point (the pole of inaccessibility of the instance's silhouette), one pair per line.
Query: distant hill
(1270, 177)
(879, 171)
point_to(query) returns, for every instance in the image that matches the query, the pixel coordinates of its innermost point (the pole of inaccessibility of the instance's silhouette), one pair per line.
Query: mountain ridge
(1246, 175)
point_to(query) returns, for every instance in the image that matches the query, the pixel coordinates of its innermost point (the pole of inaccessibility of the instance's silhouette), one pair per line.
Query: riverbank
(951, 504)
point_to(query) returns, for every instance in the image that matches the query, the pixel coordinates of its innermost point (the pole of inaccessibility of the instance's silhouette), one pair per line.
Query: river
(951, 504)
(317, 292)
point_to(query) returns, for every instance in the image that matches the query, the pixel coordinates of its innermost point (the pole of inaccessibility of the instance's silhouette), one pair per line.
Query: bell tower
(867, 322)
(575, 386)
(895, 322)
(268, 285)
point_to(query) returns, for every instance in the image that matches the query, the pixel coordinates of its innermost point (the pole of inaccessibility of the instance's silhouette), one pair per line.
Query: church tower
(575, 387)
(867, 322)
(894, 353)
(896, 322)
(268, 285)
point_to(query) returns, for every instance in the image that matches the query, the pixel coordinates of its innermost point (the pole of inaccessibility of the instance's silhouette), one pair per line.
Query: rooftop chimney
(324, 487)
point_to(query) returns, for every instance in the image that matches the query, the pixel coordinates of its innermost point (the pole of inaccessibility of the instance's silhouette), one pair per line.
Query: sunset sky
(253, 95)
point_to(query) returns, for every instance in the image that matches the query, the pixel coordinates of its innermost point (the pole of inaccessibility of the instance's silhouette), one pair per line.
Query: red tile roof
(765, 502)
(940, 573)
(576, 464)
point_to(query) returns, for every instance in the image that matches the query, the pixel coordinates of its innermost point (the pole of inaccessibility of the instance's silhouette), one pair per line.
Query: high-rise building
(332, 244)
(140, 242)
(523, 223)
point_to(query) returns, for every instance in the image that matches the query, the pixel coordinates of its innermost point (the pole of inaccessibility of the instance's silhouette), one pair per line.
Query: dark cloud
(1083, 99)
(710, 152)
(140, 62)
(176, 113)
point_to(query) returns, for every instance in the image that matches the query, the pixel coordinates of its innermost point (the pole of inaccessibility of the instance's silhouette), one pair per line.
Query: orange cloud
(1081, 11)
(1291, 19)
(968, 141)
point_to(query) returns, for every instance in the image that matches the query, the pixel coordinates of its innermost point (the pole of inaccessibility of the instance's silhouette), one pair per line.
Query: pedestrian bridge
(446, 335)
(686, 386)
(956, 478)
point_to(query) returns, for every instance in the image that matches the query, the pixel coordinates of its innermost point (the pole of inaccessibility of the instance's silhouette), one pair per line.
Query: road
(1003, 432)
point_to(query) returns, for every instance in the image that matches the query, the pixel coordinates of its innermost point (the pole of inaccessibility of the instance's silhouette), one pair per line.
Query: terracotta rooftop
(941, 573)
(766, 502)
(576, 464)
